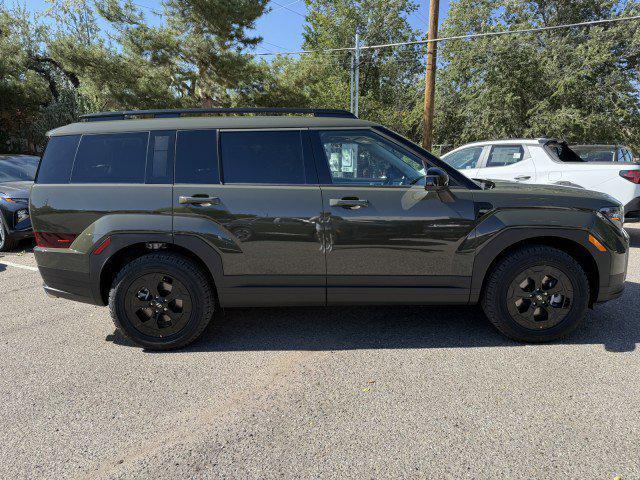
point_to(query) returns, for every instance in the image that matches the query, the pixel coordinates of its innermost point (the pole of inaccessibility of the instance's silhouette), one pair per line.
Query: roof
(190, 123)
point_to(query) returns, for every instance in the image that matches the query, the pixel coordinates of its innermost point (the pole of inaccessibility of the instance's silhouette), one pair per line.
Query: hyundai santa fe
(170, 216)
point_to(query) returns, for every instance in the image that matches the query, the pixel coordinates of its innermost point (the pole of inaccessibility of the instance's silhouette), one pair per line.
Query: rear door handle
(351, 203)
(204, 200)
(522, 177)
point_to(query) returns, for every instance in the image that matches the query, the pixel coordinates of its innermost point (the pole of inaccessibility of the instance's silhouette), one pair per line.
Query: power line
(284, 6)
(469, 36)
(287, 8)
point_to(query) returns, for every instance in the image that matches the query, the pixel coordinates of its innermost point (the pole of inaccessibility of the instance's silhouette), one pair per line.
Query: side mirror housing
(436, 179)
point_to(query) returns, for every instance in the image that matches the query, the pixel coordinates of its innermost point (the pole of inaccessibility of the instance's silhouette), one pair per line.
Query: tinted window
(467, 158)
(57, 160)
(262, 157)
(504, 155)
(360, 157)
(18, 169)
(160, 157)
(111, 158)
(197, 157)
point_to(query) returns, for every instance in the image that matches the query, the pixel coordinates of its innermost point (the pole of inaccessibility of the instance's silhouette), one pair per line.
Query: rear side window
(262, 157)
(504, 155)
(56, 163)
(111, 158)
(197, 157)
(467, 158)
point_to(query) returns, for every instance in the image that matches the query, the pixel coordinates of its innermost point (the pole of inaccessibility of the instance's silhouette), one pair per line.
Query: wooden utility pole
(430, 79)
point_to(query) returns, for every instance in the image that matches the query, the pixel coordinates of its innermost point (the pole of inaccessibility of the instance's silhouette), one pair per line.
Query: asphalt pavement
(393, 392)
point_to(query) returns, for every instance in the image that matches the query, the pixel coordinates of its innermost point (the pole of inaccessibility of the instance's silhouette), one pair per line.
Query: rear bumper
(70, 285)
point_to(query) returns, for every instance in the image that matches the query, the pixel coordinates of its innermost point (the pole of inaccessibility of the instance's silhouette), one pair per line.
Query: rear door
(253, 196)
(508, 162)
(387, 239)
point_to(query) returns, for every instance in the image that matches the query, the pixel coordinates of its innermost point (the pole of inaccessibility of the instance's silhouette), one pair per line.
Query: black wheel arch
(572, 241)
(126, 247)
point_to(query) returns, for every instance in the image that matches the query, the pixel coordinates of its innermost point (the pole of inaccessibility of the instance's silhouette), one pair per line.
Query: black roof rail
(185, 112)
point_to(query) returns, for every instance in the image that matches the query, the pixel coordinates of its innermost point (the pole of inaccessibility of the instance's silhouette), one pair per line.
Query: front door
(508, 162)
(259, 205)
(387, 239)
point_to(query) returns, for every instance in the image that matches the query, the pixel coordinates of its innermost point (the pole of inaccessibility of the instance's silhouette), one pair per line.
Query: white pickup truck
(549, 162)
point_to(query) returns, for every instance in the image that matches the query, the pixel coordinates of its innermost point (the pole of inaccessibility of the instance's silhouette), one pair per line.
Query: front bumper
(632, 211)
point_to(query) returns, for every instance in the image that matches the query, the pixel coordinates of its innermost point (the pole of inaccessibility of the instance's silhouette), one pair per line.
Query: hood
(15, 189)
(514, 194)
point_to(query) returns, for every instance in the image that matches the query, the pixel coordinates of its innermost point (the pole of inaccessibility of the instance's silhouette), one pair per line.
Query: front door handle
(522, 177)
(204, 200)
(350, 203)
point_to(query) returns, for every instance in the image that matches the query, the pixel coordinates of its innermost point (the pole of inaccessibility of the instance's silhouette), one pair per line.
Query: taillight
(54, 240)
(631, 175)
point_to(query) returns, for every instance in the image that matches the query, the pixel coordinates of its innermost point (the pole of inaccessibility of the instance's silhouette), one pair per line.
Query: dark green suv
(169, 216)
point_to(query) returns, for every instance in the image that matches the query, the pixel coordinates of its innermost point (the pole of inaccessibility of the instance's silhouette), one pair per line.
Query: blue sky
(281, 28)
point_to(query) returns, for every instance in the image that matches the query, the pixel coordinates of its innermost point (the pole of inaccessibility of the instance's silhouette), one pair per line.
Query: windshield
(590, 153)
(18, 169)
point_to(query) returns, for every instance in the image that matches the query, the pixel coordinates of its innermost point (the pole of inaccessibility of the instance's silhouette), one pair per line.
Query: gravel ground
(401, 392)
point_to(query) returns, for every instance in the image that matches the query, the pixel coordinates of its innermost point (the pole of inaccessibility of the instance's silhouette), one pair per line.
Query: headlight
(16, 200)
(22, 215)
(614, 214)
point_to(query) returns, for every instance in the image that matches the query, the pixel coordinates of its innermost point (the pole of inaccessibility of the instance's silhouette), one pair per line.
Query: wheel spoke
(523, 304)
(548, 282)
(540, 314)
(528, 285)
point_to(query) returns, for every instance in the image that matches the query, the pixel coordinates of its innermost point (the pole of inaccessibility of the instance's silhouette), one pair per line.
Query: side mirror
(436, 179)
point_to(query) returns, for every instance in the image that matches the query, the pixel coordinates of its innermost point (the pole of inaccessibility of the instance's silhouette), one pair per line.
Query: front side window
(360, 157)
(267, 157)
(504, 155)
(111, 158)
(464, 159)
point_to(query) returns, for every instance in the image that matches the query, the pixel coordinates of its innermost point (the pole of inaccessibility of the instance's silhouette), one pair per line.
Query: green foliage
(579, 84)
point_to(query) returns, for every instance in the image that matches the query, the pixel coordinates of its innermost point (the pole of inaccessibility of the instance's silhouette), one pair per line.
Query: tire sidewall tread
(194, 280)
(493, 299)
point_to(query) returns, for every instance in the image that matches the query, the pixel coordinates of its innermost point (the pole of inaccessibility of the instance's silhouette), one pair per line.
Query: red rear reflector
(102, 246)
(54, 240)
(631, 175)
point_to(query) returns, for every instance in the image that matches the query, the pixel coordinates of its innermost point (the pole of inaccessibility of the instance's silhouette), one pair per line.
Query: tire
(517, 309)
(144, 297)
(6, 243)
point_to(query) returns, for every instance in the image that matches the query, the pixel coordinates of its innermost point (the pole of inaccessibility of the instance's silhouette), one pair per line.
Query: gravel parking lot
(306, 393)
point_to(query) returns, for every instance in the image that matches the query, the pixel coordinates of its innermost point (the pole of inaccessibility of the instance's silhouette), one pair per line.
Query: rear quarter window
(57, 161)
(111, 158)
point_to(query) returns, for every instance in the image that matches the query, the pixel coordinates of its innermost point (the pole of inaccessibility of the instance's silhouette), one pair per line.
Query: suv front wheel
(161, 301)
(536, 294)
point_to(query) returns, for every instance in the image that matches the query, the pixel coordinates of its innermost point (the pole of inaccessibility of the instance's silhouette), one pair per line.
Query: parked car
(605, 153)
(546, 161)
(16, 177)
(143, 214)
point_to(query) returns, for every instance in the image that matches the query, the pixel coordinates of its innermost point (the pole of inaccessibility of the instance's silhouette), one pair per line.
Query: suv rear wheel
(536, 294)
(161, 301)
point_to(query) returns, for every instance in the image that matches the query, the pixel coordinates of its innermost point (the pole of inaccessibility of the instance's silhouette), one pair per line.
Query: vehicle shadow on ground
(399, 327)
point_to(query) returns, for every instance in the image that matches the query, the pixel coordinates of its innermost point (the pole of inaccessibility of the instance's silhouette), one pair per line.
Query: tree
(389, 76)
(578, 83)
